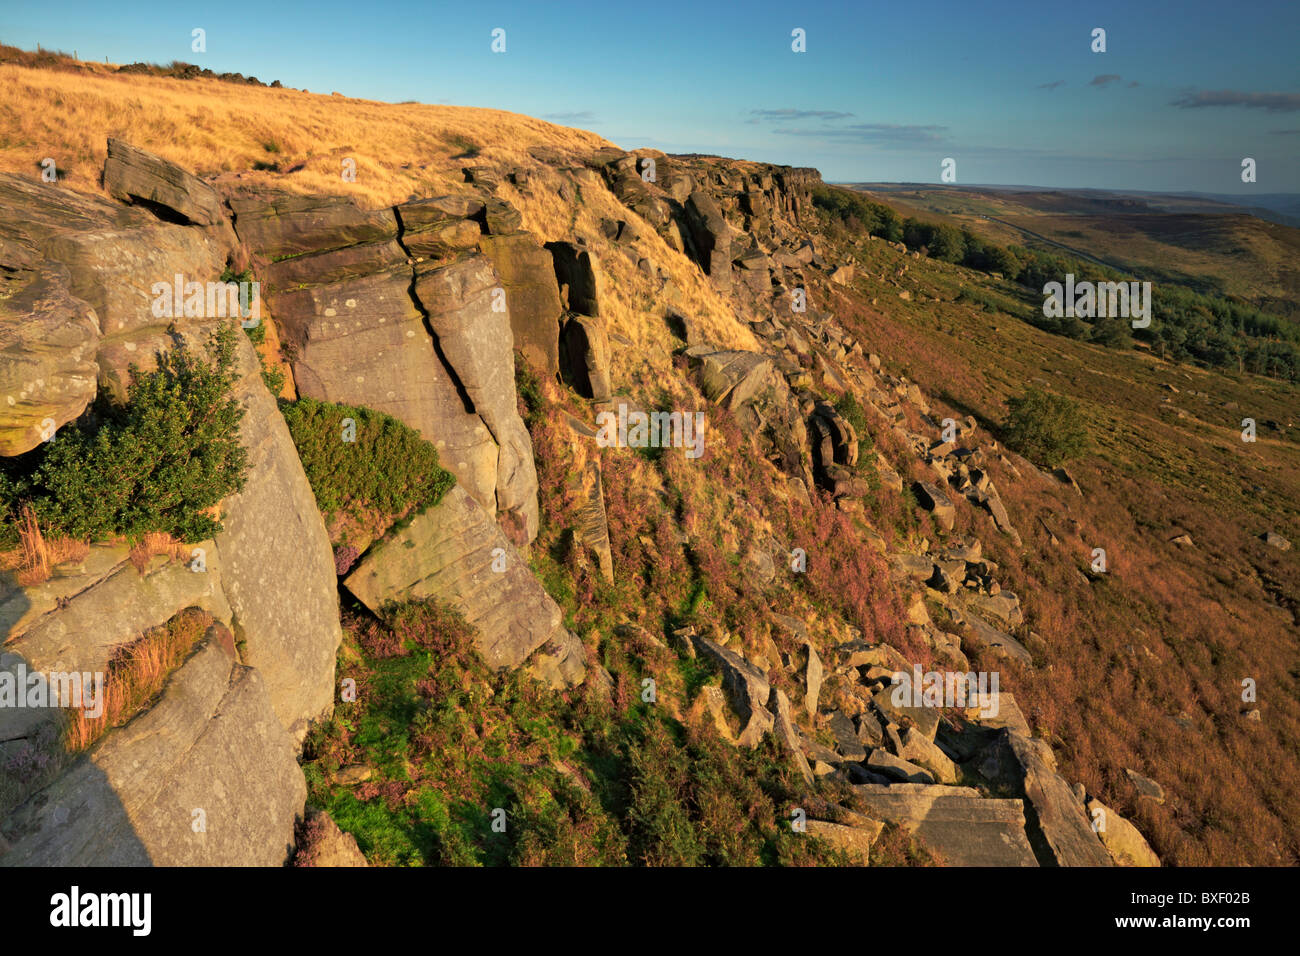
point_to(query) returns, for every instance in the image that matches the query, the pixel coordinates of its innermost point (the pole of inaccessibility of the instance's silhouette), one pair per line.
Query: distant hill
(1214, 244)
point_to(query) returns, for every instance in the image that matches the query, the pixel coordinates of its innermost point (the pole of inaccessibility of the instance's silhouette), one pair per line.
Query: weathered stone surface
(924, 719)
(711, 238)
(920, 750)
(896, 768)
(477, 344)
(846, 736)
(133, 175)
(785, 732)
(1003, 645)
(292, 225)
(747, 688)
(113, 609)
(1126, 846)
(432, 213)
(584, 356)
(333, 265)
(1146, 787)
(452, 237)
(960, 826)
(212, 742)
(1275, 540)
(856, 841)
(116, 271)
(364, 342)
(447, 552)
(814, 673)
(593, 523)
(1003, 606)
(290, 621)
(501, 218)
(48, 342)
(1058, 827)
(532, 297)
(753, 388)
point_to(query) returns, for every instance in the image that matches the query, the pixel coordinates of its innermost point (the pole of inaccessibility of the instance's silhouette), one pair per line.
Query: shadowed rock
(532, 297)
(211, 744)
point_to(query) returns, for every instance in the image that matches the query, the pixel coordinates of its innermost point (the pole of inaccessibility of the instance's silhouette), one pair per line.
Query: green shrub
(388, 468)
(1047, 429)
(156, 463)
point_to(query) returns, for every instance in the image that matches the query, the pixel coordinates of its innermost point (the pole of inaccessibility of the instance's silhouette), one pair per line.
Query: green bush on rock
(362, 464)
(159, 463)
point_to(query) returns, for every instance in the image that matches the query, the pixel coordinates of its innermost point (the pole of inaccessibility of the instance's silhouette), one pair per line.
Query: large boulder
(962, 827)
(937, 502)
(333, 265)
(532, 296)
(1123, 841)
(1058, 828)
(477, 343)
(114, 255)
(450, 552)
(584, 356)
(136, 176)
(290, 621)
(747, 688)
(711, 237)
(206, 777)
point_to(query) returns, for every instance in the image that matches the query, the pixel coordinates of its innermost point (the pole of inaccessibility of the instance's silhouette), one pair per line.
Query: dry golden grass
(223, 130)
(155, 543)
(135, 676)
(36, 555)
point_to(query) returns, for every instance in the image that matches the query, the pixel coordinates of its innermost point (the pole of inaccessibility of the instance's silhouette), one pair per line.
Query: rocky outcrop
(475, 340)
(289, 225)
(290, 623)
(963, 828)
(579, 276)
(136, 176)
(48, 344)
(747, 689)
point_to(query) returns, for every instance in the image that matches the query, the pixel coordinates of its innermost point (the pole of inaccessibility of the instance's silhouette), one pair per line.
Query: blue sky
(885, 91)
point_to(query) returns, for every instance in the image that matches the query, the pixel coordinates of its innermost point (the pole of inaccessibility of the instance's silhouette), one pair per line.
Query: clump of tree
(1047, 429)
(158, 463)
(1187, 326)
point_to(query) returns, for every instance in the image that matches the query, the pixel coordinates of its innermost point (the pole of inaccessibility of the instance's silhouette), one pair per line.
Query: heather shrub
(158, 463)
(385, 470)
